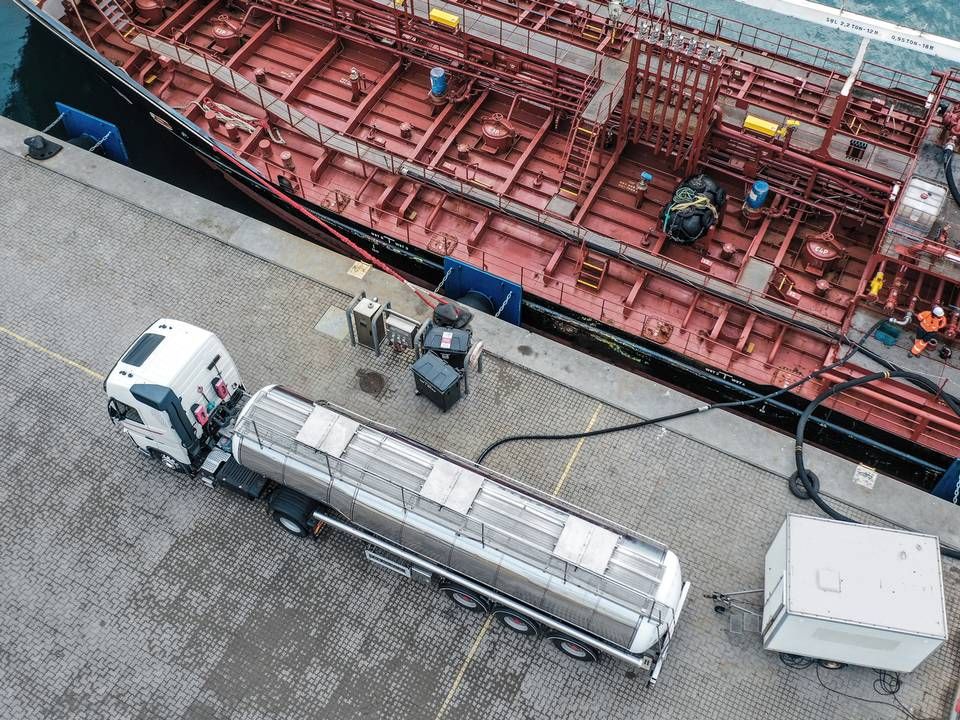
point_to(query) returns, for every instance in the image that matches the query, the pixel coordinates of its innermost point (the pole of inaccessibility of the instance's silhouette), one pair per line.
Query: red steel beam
(452, 137)
(528, 152)
(179, 33)
(431, 132)
(372, 97)
(310, 69)
(248, 48)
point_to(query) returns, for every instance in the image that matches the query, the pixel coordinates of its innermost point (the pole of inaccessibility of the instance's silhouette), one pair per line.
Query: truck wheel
(292, 511)
(516, 622)
(574, 649)
(467, 599)
(171, 463)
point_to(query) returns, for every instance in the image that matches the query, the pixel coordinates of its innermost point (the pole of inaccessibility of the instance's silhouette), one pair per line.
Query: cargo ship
(649, 175)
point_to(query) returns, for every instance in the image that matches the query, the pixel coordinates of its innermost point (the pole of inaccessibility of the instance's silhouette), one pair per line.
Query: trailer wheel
(516, 622)
(574, 649)
(171, 463)
(292, 511)
(467, 599)
(831, 664)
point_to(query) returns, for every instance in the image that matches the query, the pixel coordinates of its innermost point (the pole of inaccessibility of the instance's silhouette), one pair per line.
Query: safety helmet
(937, 311)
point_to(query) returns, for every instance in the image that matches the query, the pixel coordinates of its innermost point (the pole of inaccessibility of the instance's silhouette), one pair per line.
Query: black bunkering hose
(592, 433)
(918, 380)
(854, 348)
(948, 171)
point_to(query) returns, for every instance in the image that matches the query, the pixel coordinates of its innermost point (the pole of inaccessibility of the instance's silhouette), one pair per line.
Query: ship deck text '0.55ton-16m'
(540, 566)
(701, 187)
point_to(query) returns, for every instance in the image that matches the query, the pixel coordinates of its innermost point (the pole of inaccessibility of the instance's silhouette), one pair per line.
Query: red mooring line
(431, 301)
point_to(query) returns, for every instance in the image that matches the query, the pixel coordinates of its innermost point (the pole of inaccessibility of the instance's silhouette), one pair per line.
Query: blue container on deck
(438, 82)
(758, 194)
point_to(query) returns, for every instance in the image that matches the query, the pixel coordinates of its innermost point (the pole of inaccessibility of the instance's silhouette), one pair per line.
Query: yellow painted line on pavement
(463, 668)
(486, 625)
(27, 342)
(576, 451)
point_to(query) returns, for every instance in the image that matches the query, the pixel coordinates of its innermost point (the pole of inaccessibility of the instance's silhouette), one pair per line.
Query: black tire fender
(291, 510)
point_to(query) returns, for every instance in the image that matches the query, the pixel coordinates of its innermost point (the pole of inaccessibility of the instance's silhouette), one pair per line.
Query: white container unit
(853, 594)
(920, 207)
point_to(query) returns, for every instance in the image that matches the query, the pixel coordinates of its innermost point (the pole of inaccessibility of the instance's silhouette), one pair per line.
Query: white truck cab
(171, 392)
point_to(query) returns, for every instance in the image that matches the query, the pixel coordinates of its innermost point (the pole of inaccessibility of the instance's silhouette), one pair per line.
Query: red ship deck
(530, 165)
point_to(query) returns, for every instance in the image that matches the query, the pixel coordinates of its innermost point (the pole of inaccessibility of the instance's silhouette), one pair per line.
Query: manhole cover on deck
(371, 382)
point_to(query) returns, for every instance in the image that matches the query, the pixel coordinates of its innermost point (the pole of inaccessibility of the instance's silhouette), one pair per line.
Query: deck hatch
(451, 486)
(586, 545)
(327, 431)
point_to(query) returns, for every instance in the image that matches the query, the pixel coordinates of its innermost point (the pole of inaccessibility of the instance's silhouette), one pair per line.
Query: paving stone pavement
(129, 592)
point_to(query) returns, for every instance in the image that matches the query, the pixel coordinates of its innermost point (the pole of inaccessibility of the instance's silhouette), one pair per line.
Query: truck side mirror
(113, 411)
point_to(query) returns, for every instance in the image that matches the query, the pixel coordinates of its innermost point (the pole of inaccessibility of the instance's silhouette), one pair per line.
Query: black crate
(449, 344)
(437, 381)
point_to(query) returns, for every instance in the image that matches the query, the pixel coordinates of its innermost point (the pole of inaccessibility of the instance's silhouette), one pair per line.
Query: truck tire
(170, 463)
(574, 649)
(516, 622)
(292, 511)
(467, 599)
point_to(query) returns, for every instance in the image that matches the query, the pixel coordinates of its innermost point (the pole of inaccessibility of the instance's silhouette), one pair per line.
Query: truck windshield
(142, 349)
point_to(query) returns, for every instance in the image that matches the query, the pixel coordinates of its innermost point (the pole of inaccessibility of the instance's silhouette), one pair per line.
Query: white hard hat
(937, 311)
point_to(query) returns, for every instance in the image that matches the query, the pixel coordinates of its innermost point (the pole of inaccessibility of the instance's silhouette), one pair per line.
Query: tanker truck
(542, 567)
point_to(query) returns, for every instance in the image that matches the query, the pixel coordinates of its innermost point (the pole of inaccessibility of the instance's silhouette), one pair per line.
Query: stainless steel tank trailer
(542, 567)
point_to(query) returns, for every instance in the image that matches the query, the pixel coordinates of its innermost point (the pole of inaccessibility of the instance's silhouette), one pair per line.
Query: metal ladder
(581, 143)
(115, 15)
(591, 269)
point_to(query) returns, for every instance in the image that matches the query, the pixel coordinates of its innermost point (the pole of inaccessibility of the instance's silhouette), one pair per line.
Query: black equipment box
(449, 344)
(437, 380)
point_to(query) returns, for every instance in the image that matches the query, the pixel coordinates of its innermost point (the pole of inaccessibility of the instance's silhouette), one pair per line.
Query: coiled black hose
(948, 171)
(918, 380)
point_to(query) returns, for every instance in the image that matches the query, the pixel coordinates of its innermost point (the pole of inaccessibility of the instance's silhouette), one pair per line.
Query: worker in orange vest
(931, 322)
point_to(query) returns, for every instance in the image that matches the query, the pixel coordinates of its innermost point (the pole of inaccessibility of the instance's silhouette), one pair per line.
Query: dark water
(36, 70)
